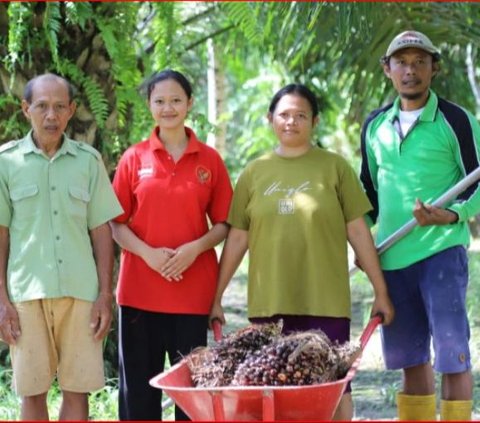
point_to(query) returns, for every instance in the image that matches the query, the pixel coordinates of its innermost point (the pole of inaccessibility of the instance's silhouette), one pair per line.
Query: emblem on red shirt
(145, 172)
(203, 174)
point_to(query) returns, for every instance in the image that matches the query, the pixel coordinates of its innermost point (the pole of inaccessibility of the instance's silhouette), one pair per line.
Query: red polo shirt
(166, 204)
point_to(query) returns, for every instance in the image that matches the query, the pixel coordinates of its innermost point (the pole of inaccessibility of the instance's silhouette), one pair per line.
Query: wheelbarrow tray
(311, 402)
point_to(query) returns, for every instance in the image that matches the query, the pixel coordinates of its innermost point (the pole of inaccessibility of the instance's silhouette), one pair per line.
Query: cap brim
(413, 45)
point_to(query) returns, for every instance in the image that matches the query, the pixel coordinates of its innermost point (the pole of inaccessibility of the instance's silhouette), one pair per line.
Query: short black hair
(148, 86)
(28, 91)
(297, 89)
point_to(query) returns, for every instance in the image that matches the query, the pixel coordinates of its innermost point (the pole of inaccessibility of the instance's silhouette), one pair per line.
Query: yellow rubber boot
(456, 410)
(416, 407)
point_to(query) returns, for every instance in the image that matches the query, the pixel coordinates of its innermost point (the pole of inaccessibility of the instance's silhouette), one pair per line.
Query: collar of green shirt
(28, 146)
(428, 114)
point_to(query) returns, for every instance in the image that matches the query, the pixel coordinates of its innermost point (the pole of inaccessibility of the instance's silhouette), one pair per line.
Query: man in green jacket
(414, 150)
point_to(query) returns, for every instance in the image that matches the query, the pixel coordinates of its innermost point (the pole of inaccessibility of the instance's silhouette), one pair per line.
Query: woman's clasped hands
(171, 263)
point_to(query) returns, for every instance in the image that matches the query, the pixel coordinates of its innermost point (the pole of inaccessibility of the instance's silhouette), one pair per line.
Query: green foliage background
(108, 49)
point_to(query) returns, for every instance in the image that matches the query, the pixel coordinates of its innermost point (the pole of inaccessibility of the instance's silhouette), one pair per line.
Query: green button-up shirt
(49, 206)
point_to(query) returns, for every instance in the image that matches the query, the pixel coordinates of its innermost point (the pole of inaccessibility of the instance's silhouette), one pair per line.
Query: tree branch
(146, 21)
(212, 35)
(198, 16)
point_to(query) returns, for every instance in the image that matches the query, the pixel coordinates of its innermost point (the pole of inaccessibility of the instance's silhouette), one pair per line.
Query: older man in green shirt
(56, 255)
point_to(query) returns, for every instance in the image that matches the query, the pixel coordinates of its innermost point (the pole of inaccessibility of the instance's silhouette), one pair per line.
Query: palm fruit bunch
(216, 365)
(260, 355)
(303, 358)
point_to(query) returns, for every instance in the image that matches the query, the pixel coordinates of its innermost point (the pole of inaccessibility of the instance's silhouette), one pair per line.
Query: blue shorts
(336, 328)
(429, 301)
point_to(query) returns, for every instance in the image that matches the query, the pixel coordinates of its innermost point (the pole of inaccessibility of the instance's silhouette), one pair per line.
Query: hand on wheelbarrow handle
(217, 329)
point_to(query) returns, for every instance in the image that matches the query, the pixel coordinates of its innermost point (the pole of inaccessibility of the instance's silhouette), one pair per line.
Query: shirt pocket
(24, 200)
(79, 199)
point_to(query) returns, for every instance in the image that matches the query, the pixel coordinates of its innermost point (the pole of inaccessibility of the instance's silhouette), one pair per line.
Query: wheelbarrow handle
(369, 329)
(217, 330)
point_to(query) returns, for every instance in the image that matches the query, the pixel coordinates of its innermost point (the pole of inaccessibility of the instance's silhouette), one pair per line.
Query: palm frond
(244, 15)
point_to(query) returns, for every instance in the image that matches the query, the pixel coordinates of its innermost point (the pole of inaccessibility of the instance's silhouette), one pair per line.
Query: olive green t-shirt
(295, 211)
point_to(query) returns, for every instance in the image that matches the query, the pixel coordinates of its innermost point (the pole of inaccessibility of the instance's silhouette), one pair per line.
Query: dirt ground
(373, 388)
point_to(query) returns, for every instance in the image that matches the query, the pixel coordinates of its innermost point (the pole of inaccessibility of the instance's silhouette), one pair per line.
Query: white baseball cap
(413, 39)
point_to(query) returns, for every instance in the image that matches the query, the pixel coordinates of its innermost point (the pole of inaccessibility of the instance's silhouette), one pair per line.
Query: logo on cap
(411, 39)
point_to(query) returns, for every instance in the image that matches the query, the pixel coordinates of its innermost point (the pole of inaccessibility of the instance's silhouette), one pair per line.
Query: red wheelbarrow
(312, 402)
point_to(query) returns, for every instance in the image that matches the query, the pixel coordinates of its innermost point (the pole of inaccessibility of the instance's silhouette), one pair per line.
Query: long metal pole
(453, 192)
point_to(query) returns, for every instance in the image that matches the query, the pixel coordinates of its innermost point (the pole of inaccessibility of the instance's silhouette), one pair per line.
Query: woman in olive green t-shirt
(294, 209)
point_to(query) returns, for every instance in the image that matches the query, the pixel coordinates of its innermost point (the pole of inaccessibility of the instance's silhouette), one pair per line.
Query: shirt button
(173, 173)
(55, 212)
(53, 188)
(57, 238)
(60, 261)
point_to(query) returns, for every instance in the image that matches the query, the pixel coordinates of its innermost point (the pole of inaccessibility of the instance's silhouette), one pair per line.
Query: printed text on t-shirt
(276, 187)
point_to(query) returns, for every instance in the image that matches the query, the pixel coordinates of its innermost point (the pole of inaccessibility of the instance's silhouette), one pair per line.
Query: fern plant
(19, 16)
(123, 57)
(52, 25)
(162, 34)
(97, 101)
(78, 13)
(15, 126)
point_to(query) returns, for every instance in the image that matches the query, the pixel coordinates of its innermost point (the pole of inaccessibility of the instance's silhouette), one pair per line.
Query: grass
(103, 403)
(374, 388)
